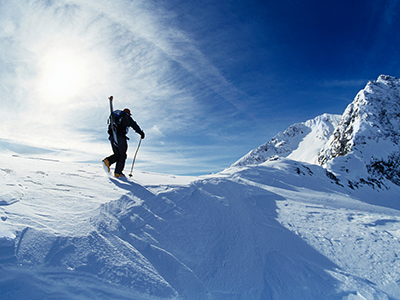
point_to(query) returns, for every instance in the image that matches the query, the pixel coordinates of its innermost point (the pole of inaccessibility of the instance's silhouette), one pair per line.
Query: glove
(142, 135)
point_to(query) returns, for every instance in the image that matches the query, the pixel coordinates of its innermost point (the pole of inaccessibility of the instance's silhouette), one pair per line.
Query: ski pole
(134, 158)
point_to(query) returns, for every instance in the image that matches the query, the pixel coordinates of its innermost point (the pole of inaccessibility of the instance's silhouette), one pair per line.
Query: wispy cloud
(127, 49)
(204, 80)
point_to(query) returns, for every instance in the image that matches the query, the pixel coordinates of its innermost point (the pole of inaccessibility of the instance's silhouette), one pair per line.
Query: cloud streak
(128, 49)
(204, 80)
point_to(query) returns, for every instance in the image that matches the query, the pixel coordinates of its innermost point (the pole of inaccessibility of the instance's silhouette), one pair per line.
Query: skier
(120, 147)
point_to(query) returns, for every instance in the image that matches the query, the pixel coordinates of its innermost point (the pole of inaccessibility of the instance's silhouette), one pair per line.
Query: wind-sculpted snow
(280, 230)
(218, 238)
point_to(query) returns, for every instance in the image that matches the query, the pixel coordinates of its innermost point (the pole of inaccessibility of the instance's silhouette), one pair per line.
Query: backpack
(114, 122)
(116, 117)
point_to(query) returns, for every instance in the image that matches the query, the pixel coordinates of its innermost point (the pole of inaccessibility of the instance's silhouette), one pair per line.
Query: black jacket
(125, 122)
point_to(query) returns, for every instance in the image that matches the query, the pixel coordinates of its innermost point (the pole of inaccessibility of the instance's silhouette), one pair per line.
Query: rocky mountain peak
(361, 146)
(373, 116)
(366, 142)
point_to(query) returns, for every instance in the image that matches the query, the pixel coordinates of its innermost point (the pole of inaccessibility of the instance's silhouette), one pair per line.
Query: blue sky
(206, 80)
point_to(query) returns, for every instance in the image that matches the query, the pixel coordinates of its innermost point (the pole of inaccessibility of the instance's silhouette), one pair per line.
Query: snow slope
(301, 142)
(268, 227)
(279, 230)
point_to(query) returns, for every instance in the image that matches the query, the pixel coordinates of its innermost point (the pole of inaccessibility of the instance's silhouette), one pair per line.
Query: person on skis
(120, 147)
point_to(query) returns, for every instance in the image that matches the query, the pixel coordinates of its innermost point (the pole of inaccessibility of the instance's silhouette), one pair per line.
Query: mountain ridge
(287, 143)
(360, 147)
(244, 232)
(369, 135)
(283, 228)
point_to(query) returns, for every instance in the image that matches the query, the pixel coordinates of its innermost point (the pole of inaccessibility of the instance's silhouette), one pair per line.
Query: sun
(63, 74)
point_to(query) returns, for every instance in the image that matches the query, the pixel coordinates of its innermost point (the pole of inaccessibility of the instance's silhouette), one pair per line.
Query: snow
(321, 129)
(279, 230)
(276, 225)
(369, 131)
(301, 142)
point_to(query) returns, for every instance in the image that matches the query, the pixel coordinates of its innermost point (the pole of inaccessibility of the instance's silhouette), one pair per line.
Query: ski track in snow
(280, 230)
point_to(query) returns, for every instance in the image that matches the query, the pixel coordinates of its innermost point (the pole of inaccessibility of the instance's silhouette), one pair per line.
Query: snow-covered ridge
(68, 231)
(361, 146)
(301, 142)
(373, 116)
(366, 142)
(286, 228)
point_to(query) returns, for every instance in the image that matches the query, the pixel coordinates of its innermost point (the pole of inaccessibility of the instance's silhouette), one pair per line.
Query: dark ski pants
(119, 155)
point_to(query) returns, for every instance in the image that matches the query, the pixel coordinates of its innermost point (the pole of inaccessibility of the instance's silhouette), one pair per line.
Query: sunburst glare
(63, 75)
